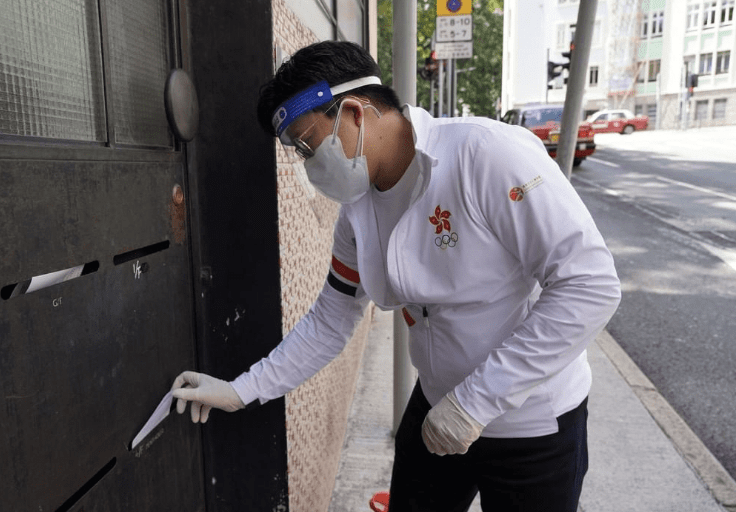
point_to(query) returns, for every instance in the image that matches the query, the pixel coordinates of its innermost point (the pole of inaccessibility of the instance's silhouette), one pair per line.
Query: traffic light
(692, 83)
(552, 70)
(568, 56)
(431, 67)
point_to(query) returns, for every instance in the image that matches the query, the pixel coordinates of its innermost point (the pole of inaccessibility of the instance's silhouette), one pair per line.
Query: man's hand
(448, 429)
(204, 392)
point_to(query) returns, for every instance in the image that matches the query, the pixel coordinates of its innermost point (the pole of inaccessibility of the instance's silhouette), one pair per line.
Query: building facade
(150, 226)
(641, 55)
(316, 412)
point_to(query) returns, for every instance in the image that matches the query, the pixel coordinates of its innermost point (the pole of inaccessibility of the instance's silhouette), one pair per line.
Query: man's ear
(354, 108)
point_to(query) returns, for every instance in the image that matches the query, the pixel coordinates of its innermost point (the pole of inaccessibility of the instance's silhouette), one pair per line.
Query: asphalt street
(665, 202)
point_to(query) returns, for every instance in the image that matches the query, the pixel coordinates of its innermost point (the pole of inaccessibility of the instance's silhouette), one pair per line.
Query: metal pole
(440, 88)
(431, 97)
(681, 96)
(405, 83)
(450, 67)
(658, 121)
(576, 86)
(546, 84)
(454, 87)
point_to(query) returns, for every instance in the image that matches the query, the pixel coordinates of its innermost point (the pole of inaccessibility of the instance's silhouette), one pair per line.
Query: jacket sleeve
(538, 217)
(319, 336)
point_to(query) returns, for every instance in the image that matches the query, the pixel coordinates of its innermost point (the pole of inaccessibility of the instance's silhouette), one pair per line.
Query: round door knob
(182, 107)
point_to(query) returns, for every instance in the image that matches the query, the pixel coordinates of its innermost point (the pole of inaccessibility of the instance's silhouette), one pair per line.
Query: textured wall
(316, 412)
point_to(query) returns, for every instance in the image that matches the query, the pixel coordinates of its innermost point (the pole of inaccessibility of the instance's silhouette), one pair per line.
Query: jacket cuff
(245, 391)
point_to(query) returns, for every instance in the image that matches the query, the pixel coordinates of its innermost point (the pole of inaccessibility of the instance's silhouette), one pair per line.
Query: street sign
(455, 50)
(454, 7)
(454, 28)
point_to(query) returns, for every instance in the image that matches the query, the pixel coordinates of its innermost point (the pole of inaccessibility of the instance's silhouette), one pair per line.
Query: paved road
(666, 204)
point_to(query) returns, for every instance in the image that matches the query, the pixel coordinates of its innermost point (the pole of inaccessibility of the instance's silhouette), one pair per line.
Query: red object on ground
(379, 502)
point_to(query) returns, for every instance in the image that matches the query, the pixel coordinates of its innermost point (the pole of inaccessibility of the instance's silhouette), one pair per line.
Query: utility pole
(576, 85)
(405, 83)
(546, 84)
(450, 74)
(440, 87)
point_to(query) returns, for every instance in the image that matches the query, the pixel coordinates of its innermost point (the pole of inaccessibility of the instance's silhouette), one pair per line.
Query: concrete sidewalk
(634, 465)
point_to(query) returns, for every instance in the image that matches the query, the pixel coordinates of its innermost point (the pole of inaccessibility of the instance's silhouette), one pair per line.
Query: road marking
(728, 256)
(599, 161)
(695, 187)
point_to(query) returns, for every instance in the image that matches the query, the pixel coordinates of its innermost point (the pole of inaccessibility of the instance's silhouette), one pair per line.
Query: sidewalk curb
(718, 481)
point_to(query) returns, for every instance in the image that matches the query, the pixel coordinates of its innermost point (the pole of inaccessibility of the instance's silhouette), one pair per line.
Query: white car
(617, 121)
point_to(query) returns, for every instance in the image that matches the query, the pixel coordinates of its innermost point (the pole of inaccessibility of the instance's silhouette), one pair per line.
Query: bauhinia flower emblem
(439, 219)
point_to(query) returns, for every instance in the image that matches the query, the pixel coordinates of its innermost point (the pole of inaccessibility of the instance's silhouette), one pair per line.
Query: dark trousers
(535, 474)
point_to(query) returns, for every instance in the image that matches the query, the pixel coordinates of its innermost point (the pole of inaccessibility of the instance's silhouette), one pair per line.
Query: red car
(617, 121)
(544, 121)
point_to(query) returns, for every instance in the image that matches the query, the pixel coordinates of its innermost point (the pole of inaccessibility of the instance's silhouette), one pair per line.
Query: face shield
(311, 98)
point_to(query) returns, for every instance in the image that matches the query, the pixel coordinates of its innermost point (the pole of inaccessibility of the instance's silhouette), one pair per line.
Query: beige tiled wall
(316, 412)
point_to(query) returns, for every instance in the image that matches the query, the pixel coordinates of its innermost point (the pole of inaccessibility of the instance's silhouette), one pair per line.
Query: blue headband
(310, 98)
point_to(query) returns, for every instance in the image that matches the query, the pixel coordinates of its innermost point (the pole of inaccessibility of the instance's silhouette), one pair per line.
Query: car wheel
(577, 161)
(628, 129)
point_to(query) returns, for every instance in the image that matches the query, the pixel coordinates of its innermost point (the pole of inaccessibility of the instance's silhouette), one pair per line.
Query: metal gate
(96, 305)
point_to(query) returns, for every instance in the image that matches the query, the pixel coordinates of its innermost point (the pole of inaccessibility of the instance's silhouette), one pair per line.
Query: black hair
(336, 62)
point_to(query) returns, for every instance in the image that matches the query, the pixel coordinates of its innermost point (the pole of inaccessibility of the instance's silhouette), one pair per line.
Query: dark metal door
(96, 306)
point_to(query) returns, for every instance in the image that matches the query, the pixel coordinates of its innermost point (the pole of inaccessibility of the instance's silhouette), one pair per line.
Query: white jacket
(492, 225)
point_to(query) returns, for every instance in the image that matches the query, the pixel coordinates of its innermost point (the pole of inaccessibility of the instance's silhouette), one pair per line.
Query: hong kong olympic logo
(441, 221)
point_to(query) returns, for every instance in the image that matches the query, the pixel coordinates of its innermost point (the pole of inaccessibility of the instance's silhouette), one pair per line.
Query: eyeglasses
(302, 148)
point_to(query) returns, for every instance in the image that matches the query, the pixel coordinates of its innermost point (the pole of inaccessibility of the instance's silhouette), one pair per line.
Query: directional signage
(458, 50)
(454, 7)
(454, 28)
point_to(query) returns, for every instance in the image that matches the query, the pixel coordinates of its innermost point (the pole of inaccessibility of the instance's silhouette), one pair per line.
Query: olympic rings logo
(445, 241)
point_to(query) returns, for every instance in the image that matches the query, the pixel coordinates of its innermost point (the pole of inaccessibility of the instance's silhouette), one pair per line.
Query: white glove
(204, 392)
(448, 429)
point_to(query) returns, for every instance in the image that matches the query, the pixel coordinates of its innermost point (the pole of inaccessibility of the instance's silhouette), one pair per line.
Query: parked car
(617, 121)
(544, 121)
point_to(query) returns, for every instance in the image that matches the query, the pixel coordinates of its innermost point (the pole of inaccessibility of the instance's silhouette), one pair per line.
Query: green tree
(479, 87)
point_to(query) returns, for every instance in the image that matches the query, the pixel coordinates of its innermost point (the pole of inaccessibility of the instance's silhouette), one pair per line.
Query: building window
(727, 11)
(593, 80)
(706, 64)
(652, 113)
(709, 14)
(351, 20)
(657, 23)
(654, 67)
(689, 64)
(701, 110)
(723, 62)
(641, 76)
(342, 20)
(638, 110)
(644, 26)
(561, 43)
(693, 12)
(719, 108)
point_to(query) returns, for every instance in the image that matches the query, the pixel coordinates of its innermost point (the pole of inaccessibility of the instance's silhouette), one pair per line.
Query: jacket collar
(420, 121)
(361, 214)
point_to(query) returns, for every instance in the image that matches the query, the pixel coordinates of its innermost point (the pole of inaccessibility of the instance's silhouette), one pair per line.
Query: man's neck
(396, 149)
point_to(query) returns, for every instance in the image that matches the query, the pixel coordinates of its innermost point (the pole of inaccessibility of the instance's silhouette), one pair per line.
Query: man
(469, 228)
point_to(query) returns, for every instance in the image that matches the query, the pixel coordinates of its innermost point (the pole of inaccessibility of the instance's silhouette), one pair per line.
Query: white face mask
(340, 178)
